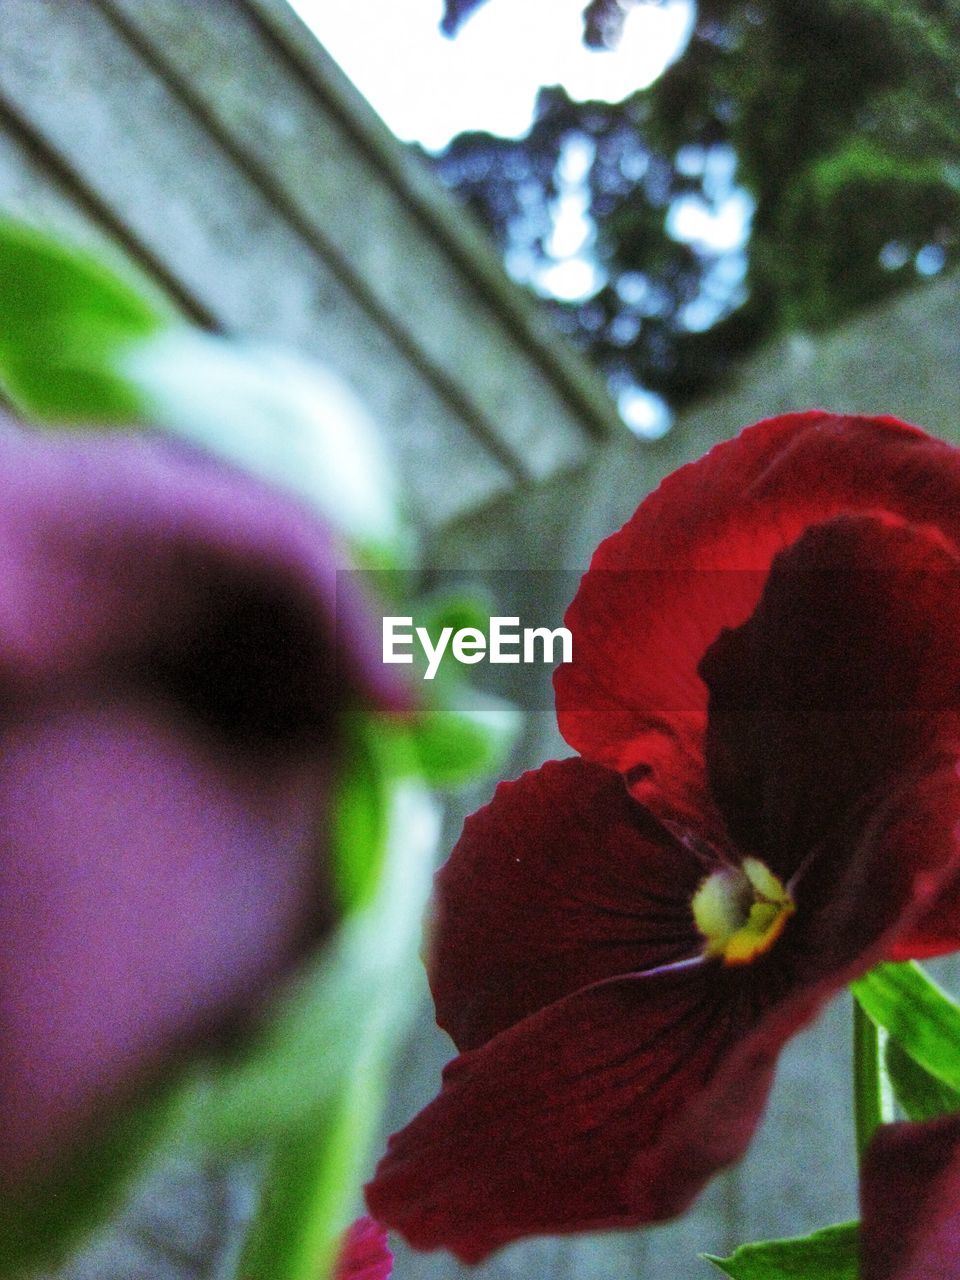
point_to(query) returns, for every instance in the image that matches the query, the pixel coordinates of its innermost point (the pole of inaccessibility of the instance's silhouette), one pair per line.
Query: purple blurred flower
(171, 683)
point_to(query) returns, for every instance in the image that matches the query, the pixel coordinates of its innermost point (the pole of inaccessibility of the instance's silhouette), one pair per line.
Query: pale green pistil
(741, 911)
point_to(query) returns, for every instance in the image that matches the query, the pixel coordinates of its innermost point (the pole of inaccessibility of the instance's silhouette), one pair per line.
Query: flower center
(741, 911)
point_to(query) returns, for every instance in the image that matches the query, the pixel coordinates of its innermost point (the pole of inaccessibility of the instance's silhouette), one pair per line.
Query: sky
(428, 88)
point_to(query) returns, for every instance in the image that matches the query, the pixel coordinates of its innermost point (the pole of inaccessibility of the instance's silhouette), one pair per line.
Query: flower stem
(871, 1089)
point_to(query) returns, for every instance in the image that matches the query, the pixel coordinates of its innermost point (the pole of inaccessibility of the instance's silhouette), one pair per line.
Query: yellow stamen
(741, 911)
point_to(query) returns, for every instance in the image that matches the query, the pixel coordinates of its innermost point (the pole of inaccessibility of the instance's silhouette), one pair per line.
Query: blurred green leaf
(458, 610)
(921, 1095)
(360, 820)
(454, 746)
(41, 1225)
(435, 613)
(64, 316)
(829, 1254)
(441, 746)
(918, 1014)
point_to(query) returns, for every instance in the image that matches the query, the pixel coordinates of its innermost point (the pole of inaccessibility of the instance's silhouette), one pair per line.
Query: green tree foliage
(836, 122)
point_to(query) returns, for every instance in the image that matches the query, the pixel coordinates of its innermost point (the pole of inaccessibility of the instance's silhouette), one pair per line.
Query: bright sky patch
(429, 88)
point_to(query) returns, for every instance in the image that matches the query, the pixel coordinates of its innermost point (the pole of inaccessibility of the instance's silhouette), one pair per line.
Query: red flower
(910, 1201)
(365, 1254)
(171, 683)
(765, 690)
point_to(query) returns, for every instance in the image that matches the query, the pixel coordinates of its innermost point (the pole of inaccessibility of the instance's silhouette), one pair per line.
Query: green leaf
(42, 1225)
(455, 746)
(920, 1094)
(829, 1254)
(442, 747)
(64, 317)
(458, 610)
(360, 819)
(872, 1096)
(918, 1014)
(455, 610)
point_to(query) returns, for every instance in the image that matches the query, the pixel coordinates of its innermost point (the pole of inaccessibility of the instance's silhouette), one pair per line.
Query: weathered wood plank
(219, 56)
(132, 142)
(33, 192)
(462, 241)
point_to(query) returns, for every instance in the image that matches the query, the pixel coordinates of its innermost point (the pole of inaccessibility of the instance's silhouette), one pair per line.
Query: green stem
(310, 1189)
(871, 1090)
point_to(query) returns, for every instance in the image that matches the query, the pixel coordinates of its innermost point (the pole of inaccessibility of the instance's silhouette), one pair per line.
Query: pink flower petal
(365, 1254)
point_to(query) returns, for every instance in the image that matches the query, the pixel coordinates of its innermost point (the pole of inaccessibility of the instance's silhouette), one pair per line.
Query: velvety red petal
(576, 1118)
(613, 1106)
(693, 560)
(910, 1202)
(365, 1254)
(560, 881)
(150, 891)
(936, 931)
(906, 866)
(832, 704)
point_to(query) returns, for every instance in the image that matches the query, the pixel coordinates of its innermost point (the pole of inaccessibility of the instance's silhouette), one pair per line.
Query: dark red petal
(937, 929)
(560, 881)
(693, 559)
(149, 893)
(910, 1202)
(578, 1118)
(905, 876)
(364, 1254)
(613, 1106)
(833, 703)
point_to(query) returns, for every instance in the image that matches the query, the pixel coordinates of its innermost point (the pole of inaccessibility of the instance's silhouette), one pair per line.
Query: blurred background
(551, 273)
